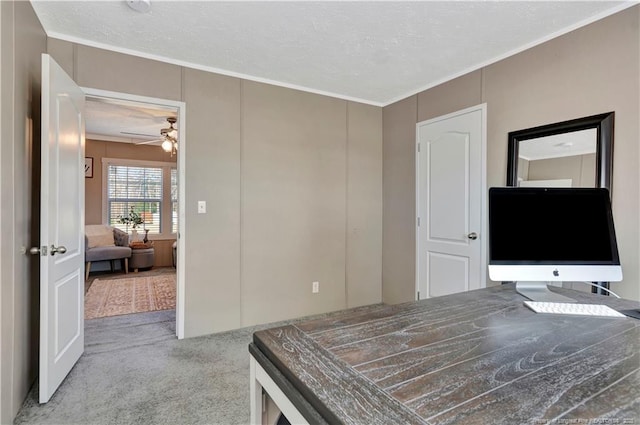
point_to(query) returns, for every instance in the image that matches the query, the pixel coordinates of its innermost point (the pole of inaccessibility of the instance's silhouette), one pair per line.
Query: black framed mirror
(586, 142)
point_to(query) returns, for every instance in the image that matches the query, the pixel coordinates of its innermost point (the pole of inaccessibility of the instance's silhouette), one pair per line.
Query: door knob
(58, 250)
(36, 250)
(473, 236)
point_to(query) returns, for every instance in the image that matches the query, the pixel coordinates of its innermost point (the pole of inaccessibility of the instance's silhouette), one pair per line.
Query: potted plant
(132, 219)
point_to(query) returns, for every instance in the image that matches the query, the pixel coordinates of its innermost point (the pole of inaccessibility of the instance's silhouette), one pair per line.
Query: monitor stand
(538, 291)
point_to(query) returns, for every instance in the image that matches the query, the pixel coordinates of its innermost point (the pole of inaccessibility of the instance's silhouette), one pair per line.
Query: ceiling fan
(169, 137)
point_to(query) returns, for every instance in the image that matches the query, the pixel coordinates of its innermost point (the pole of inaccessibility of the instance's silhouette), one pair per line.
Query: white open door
(61, 247)
(451, 193)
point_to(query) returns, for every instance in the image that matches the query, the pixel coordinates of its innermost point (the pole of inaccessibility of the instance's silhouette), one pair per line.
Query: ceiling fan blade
(146, 142)
(137, 134)
(168, 130)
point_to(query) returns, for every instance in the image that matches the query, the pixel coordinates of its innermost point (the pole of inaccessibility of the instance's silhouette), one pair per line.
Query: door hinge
(418, 147)
(418, 221)
(418, 295)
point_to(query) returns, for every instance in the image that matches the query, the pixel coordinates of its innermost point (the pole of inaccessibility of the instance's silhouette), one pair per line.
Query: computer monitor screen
(552, 234)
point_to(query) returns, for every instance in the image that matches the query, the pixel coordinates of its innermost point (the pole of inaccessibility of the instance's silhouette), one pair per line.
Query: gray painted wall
(591, 70)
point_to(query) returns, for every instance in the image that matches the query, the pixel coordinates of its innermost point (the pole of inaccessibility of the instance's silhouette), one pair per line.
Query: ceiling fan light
(167, 146)
(142, 6)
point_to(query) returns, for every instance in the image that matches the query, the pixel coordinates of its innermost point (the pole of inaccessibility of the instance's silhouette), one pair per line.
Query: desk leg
(255, 393)
(259, 381)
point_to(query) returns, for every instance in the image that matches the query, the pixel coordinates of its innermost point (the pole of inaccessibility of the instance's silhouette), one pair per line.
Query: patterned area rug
(114, 297)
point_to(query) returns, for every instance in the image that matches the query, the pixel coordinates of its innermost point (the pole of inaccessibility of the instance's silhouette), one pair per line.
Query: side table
(142, 256)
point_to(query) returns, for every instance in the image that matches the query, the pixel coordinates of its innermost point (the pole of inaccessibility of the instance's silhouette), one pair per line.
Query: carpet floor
(135, 371)
(130, 295)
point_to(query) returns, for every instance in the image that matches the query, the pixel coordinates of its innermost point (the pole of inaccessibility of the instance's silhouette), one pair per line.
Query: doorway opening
(134, 188)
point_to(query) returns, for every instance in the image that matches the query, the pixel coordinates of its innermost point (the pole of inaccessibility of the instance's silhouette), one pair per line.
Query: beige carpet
(114, 297)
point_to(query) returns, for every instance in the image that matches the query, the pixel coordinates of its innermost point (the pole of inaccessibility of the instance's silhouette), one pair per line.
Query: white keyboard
(573, 309)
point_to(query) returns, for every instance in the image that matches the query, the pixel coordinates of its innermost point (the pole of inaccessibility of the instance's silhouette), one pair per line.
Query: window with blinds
(139, 188)
(174, 200)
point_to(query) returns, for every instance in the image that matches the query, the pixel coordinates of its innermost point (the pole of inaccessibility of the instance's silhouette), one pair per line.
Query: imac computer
(541, 235)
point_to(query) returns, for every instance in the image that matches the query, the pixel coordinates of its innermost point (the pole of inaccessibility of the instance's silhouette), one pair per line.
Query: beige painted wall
(591, 70)
(23, 40)
(289, 203)
(299, 185)
(399, 201)
(98, 149)
(364, 201)
(213, 174)
(581, 169)
(294, 202)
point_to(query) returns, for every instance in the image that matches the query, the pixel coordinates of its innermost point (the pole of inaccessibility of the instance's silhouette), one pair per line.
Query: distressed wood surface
(475, 358)
(324, 380)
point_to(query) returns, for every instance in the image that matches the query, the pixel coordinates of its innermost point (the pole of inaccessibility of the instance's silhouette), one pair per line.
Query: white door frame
(483, 182)
(182, 142)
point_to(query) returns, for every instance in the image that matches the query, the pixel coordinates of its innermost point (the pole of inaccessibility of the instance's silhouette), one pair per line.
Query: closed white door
(451, 193)
(61, 247)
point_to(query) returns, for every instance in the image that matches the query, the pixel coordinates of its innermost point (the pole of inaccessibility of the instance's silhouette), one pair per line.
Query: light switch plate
(202, 207)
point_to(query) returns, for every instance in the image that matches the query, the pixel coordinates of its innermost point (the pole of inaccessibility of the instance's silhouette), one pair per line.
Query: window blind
(135, 187)
(174, 200)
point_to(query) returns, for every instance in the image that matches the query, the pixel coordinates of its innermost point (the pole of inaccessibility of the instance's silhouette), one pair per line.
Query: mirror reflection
(560, 160)
(574, 153)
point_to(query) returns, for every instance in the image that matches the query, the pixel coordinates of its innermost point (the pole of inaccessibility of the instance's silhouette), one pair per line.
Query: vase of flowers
(134, 220)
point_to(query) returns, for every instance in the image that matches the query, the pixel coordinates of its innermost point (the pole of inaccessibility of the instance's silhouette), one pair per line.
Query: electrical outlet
(315, 287)
(202, 207)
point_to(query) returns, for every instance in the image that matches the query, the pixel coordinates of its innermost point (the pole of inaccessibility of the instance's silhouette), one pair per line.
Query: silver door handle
(473, 236)
(37, 251)
(57, 250)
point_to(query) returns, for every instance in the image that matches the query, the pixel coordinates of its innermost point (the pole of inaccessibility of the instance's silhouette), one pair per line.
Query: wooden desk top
(479, 357)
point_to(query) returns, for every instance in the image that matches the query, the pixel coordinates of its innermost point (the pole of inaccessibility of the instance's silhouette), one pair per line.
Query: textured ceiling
(374, 52)
(566, 144)
(125, 121)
